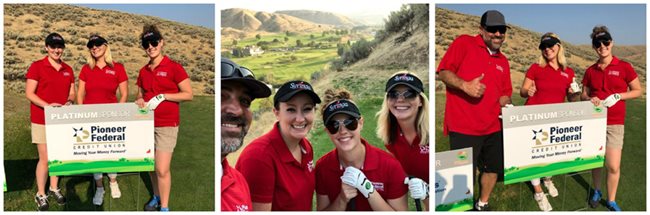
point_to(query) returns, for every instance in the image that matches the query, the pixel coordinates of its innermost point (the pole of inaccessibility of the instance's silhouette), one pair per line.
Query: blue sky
(194, 14)
(572, 22)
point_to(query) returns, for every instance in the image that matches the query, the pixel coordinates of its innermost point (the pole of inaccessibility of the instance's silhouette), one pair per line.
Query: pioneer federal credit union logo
(98, 136)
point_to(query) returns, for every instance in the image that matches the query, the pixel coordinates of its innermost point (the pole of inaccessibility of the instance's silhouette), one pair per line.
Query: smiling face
(345, 140)
(54, 53)
(98, 51)
(236, 116)
(550, 53)
(604, 51)
(154, 51)
(493, 40)
(295, 117)
(404, 109)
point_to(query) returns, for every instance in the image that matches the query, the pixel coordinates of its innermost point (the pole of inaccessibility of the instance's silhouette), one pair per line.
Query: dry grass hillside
(249, 21)
(521, 47)
(321, 17)
(27, 25)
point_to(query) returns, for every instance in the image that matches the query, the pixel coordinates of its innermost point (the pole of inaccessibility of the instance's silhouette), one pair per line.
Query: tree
(286, 39)
(234, 42)
(258, 36)
(299, 43)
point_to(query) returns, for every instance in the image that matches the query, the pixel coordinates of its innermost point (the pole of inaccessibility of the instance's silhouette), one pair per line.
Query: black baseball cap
(548, 41)
(230, 71)
(407, 79)
(291, 88)
(493, 18)
(600, 37)
(95, 40)
(151, 36)
(54, 40)
(340, 106)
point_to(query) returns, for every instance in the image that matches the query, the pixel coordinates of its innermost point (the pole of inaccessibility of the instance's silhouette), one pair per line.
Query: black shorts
(487, 150)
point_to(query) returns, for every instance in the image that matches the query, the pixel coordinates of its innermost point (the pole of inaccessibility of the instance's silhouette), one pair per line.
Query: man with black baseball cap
(238, 89)
(477, 79)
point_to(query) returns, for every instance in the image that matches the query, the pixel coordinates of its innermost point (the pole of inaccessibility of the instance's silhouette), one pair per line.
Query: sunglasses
(56, 46)
(407, 94)
(94, 44)
(597, 43)
(544, 46)
(334, 125)
(145, 44)
(230, 71)
(494, 29)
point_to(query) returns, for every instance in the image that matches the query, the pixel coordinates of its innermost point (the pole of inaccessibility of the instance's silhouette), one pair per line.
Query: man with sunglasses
(238, 89)
(477, 79)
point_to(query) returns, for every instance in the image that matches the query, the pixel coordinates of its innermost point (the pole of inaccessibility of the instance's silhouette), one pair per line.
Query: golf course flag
(547, 140)
(99, 138)
(454, 180)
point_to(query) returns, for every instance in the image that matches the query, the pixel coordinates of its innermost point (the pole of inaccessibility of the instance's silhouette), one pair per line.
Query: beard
(232, 141)
(490, 44)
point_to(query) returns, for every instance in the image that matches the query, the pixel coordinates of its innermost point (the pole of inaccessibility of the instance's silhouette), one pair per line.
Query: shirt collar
(371, 157)
(281, 147)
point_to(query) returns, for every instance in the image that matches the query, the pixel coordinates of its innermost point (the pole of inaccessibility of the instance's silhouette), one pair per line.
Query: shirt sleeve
(256, 166)
(453, 57)
(82, 74)
(33, 72)
(121, 73)
(138, 81)
(585, 78)
(180, 75)
(395, 187)
(531, 72)
(320, 178)
(506, 82)
(630, 74)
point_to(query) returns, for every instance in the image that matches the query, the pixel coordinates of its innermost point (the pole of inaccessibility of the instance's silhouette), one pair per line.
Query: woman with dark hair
(162, 85)
(609, 82)
(50, 82)
(99, 80)
(355, 166)
(279, 166)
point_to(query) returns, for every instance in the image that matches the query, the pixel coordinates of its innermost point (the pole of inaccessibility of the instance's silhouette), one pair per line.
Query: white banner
(454, 185)
(99, 138)
(546, 140)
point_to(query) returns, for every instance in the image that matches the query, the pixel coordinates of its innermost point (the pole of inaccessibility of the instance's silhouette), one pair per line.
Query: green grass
(77, 168)
(573, 188)
(192, 166)
(523, 174)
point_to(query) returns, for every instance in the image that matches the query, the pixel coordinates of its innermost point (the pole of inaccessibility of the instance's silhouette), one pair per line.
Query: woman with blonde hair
(162, 85)
(403, 125)
(609, 82)
(548, 81)
(99, 80)
(355, 166)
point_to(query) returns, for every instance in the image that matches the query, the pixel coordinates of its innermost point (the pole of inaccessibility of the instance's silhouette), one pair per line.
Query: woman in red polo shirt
(606, 82)
(50, 82)
(355, 166)
(99, 80)
(403, 125)
(279, 166)
(549, 81)
(162, 85)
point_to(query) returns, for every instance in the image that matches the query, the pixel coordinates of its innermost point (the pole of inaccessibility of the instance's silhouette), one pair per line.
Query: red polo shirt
(274, 176)
(468, 58)
(382, 169)
(235, 195)
(163, 79)
(101, 84)
(53, 86)
(613, 79)
(414, 158)
(552, 85)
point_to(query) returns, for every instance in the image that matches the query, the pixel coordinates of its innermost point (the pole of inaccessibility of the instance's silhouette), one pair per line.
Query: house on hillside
(252, 50)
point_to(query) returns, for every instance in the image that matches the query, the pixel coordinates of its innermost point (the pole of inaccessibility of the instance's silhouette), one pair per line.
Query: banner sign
(547, 140)
(454, 180)
(97, 138)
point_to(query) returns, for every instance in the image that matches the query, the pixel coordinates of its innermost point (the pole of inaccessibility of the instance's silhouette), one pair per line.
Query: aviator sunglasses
(407, 94)
(334, 125)
(597, 43)
(145, 44)
(230, 71)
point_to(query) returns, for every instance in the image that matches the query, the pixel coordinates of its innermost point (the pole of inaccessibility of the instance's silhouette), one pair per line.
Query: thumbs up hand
(474, 88)
(532, 90)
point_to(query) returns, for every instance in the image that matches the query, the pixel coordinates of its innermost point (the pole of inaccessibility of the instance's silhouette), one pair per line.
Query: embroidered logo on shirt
(66, 74)
(310, 165)
(242, 207)
(161, 74)
(614, 73)
(111, 72)
(378, 186)
(499, 68)
(564, 74)
(424, 149)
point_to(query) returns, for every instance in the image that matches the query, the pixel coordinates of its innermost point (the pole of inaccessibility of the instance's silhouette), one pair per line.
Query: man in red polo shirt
(238, 89)
(477, 77)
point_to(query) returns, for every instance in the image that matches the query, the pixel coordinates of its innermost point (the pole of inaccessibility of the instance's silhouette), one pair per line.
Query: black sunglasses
(230, 71)
(334, 125)
(408, 94)
(597, 43)
(544, 46)
(145, 43)
(94, 44)
(494, 29)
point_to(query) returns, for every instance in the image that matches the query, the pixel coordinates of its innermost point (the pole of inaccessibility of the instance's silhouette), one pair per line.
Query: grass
(193, 156)
(573, 188)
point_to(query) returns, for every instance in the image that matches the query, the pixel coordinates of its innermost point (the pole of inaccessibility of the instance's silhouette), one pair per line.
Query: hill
(321, 17)
(27, 25)
(521, 47)
(250, 21)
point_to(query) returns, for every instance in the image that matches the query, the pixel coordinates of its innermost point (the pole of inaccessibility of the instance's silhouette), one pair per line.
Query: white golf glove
(418, 188)
(575, 86)
(155, 101)
(612, 99)
(354, 177)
